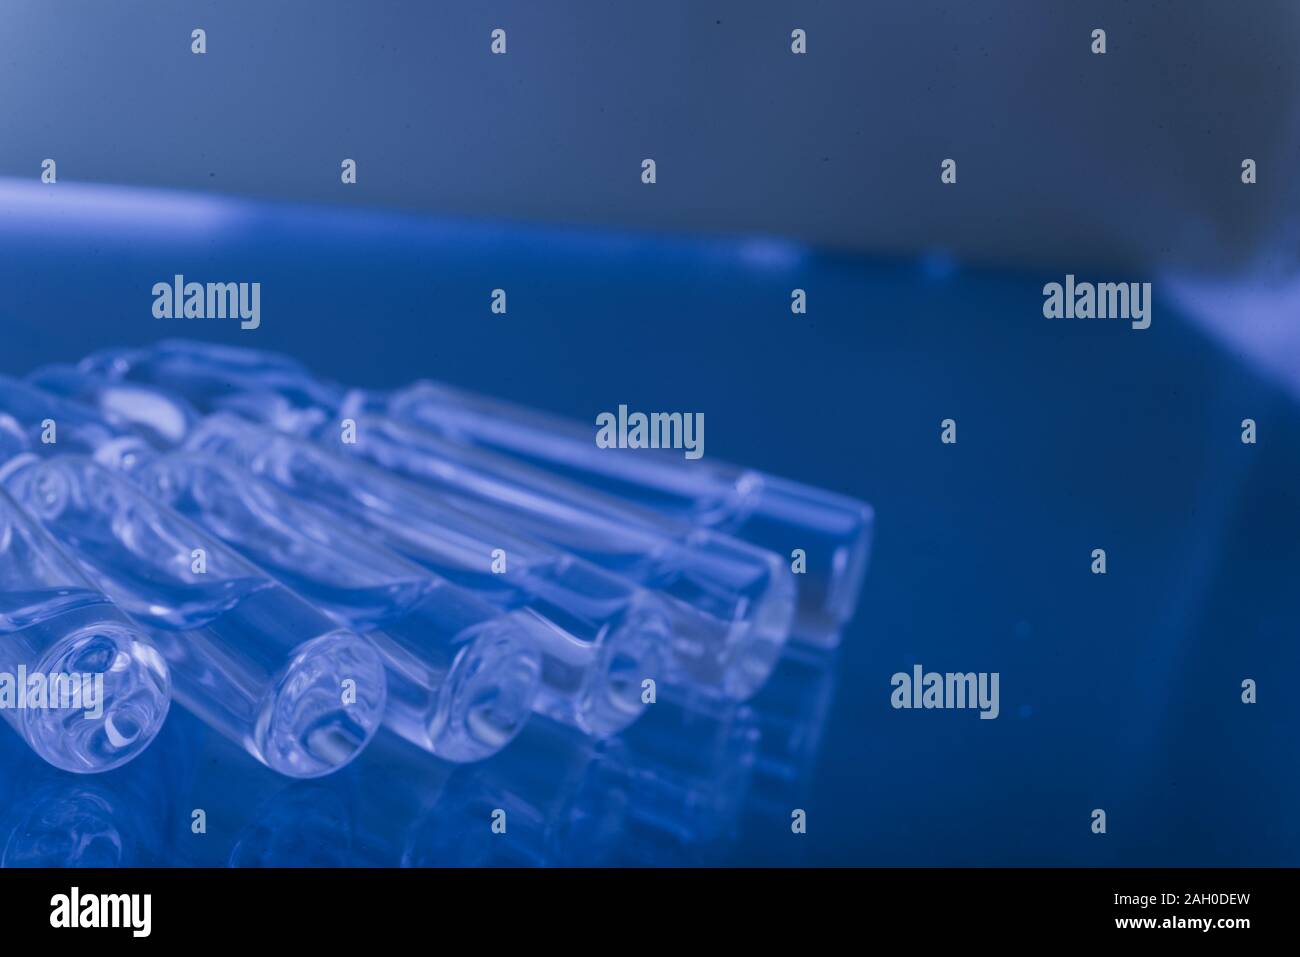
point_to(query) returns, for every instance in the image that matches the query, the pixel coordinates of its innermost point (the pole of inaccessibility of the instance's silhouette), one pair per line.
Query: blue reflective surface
(1120, 692)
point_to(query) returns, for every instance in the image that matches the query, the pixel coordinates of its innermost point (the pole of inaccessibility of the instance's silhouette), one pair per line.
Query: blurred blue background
(521, 172)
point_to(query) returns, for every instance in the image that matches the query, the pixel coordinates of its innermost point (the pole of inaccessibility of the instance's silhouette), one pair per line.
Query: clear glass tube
(600, 637)
(833, 531)
(246, 655)
(106, 687)
(740, 599)
(462, 675)
(39, 421)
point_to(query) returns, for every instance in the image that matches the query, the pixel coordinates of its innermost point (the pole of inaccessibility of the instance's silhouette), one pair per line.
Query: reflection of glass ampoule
(551, 798)
(701, 776)
(356, 818)
(732, 603)
(511, 811)
(106, 688)
(667, 792)
(686, 773)
(833, 531)
(217, 792)
(120, 818)
(462, 676)
(792, 712)
(248, 656)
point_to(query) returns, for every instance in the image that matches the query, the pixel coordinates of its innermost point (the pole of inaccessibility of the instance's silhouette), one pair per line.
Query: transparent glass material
(739, 599)
(834, 531)
(462, 675)
(249, 657)
(38, 421)
(106, 687)
(600, 636)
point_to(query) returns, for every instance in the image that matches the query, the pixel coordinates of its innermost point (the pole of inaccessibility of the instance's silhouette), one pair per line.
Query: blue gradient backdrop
(1119, 692)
